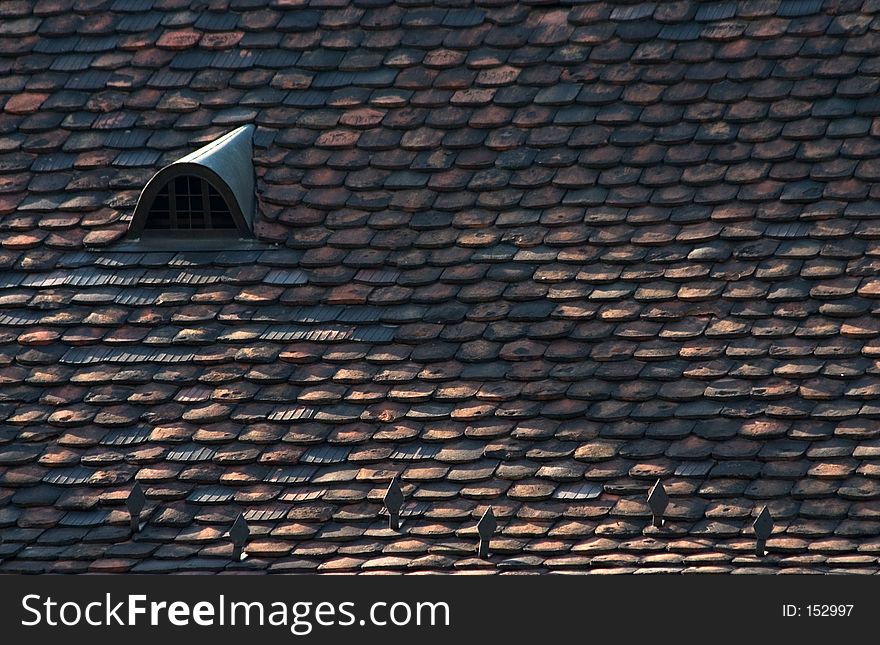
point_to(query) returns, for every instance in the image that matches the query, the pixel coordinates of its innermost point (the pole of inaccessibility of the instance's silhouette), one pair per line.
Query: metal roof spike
(135, 504)
(763, 527)
(393, 502)
(658, 500)
(226, 164)
(239, 533)
(486, 529)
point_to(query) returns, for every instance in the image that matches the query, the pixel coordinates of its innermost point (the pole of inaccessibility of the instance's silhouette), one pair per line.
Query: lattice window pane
(189, 203)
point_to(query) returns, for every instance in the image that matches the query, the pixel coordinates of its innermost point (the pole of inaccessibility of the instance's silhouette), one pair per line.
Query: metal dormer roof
(225, 163)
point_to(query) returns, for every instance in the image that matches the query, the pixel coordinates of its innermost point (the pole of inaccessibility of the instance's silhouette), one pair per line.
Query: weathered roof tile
(535, 257)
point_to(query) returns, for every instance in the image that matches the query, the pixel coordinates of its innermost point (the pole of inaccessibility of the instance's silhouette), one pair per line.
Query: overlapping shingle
(521, 256)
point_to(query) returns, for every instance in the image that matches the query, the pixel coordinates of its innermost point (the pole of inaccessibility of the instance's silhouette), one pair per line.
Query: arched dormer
(210, 191)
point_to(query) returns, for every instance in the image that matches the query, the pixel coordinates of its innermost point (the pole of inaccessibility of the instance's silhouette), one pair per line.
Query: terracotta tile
(25, 103)
(178, 39)
(551, 254)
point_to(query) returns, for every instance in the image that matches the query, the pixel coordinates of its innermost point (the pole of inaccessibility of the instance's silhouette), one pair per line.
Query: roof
(524, 255)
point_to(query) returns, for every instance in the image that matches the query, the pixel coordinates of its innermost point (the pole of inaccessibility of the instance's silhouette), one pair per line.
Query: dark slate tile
(299, 21)
(276, 58)
(56, 45)
(192, 60)
(72, 63)
(217, 21)
(233, 60)
(139, 22)
(90, 80)
(681, 32)
(211, 495)
(797, 8)
(709, 12)
(53, 162)
(97, 43)
(137, 158)
(127, 139)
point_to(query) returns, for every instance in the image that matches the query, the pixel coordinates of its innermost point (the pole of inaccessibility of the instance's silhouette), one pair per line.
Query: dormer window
(210, 190)
(186, 203)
